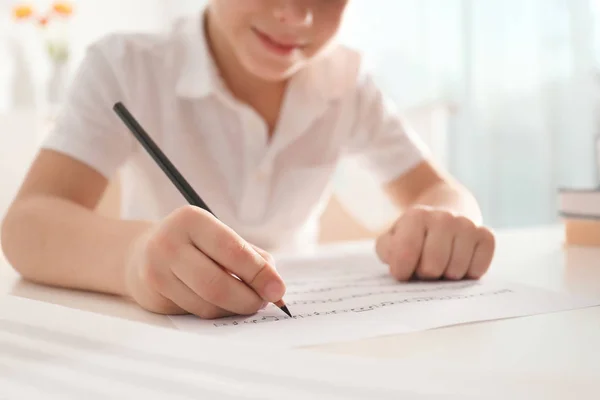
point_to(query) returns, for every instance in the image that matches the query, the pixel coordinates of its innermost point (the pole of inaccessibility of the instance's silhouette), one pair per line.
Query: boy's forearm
(451, 197)
(58, 243)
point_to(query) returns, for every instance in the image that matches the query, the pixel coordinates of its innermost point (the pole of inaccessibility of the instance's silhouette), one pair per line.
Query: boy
(254, 102)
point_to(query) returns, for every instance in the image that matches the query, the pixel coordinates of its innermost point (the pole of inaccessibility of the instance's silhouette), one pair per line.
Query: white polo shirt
(269, 191)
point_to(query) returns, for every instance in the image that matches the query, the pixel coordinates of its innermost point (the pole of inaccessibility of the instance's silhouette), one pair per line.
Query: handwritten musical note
(348, 298)
(370, 307)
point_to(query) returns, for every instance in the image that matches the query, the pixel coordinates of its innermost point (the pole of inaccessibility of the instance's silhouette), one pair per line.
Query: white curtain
(523, 76)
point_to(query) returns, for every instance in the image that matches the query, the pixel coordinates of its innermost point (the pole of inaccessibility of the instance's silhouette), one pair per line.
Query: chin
(268, 70)
(272, 75)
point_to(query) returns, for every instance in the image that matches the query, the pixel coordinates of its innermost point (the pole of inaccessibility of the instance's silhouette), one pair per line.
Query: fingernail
(274, 291)
(265, 305)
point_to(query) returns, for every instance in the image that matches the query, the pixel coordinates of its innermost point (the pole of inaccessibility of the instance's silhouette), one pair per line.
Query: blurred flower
(43, 21)
(22, 11)
(62, 8)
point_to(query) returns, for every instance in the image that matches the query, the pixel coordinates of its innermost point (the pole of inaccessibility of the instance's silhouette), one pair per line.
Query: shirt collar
(327, 78)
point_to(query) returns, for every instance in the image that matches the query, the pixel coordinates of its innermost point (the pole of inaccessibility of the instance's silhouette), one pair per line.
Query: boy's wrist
(131, 257)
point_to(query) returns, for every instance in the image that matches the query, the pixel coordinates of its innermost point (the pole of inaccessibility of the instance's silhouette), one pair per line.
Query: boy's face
(274, 38)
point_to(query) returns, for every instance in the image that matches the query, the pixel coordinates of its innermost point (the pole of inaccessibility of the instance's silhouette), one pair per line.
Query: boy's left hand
(430, 244)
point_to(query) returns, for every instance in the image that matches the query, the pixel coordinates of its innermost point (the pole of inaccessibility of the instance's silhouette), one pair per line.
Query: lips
(275, 45)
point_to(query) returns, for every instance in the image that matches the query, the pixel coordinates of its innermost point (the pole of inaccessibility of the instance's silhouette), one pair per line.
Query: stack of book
(580, 212)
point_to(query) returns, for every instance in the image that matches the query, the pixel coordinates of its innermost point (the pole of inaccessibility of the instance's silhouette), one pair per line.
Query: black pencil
(168, 168)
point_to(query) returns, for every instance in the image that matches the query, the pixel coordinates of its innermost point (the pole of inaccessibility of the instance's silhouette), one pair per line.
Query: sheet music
(344, 298)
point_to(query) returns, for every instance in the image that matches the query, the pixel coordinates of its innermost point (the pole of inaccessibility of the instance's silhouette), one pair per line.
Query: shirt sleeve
(86, 128)
(382, 141)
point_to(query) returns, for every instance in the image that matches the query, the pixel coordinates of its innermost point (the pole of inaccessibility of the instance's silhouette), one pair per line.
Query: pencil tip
(285, 310)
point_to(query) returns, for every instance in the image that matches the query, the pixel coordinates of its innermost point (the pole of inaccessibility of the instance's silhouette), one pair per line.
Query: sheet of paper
(340, 298)
(52, 352)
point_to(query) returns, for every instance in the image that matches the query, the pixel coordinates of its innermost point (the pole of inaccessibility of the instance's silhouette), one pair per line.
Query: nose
(293, 13)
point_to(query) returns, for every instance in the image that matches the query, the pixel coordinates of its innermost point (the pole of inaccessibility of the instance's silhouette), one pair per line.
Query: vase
(56, 84)
(53, 96)
(21, 93)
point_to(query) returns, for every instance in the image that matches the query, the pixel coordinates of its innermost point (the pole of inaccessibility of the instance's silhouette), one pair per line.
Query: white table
(557, 348)
(556, 345)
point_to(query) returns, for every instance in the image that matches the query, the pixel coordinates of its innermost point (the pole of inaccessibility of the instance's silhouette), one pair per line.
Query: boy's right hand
(185, 265)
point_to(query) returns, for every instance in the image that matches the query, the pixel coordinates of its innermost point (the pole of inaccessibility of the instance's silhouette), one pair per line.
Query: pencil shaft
(160, 158)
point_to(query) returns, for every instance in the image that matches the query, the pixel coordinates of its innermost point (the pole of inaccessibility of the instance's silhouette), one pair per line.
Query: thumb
(383, 245)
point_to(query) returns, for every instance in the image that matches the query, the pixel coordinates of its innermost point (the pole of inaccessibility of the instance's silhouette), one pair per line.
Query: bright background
(520, 75)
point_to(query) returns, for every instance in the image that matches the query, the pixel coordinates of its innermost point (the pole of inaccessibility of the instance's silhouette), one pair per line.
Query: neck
(245, 86)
